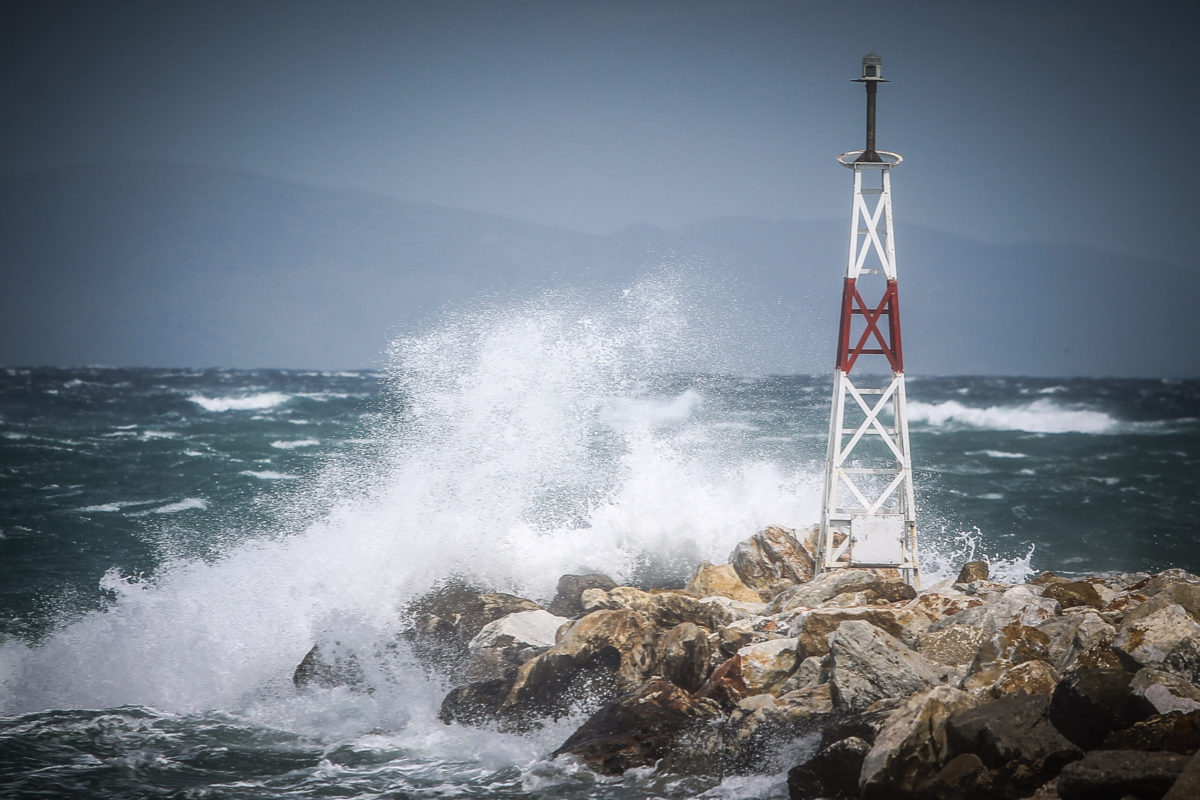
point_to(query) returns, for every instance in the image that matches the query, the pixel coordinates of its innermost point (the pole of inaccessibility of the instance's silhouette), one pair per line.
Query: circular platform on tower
(888, 159)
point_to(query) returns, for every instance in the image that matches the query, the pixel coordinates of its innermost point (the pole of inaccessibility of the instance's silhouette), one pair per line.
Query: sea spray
(528, 441)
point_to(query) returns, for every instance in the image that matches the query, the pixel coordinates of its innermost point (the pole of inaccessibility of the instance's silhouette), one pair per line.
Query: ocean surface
(172, 541)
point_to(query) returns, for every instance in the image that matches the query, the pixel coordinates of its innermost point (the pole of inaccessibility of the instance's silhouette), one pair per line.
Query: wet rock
(1074, 593)
(506, 643)
(1146, 640)
(973, 571)
(831, 773)
(476, 703)
(1177, 731)
(639, 728)
(725, 686)
(684, 655)
(911, 747)
(813, 628)
(1087, 706)
(772, 560)
(744, 632)
(823, 588)
(1117, 774)
(721, 581)
(965, 777)
(567, 601)
(762, 728)
(953, 646)
(1014, 644)
(1080, 640)
(596, 656)
(443, 621)
(1187, 785)
(329, 667)
(766, 665)
(866, 664)
(1165, 691)
(1028, 677)
(1015, 739)
(664, 609)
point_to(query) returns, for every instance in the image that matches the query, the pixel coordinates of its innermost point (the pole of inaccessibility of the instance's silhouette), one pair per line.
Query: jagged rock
(766, 665)
(329, 667)
(638, 728)
(1028, 677)
(725, 686)
(822, 588)
(1080, 640)
(812, 628)
(866, 664)
(937, 606)
(1086, 706)
(1014, 644)
(684, 655)
(443, 621)
(762, 727)
(973, 571)
(721, 581)
(1015, 739)
(566, 602)
(1147, 639)
(911, 747)
(1117, 774)
(953, 646)
(1184, 660)
(743, 632)
(809, 673)
(596, 656)
(1074, 593)
(772, 560)
(663, 609)
(831, 773)
(965, 777)
(1165, 691)
(476, 703)
(1168, 579)
(510, 641)
(1177, 731)
(1162, 593)
(1187, 785)
(1020, 604)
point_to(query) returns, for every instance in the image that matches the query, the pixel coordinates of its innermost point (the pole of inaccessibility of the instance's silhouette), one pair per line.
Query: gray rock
(831, 773)
(1147, 639)
(566, 602)
(1165, 691)
(772, 560)
(506, 643)
(329, 667)
(823, 588)
(1117, 774)
(1015, 739)
(866, 664)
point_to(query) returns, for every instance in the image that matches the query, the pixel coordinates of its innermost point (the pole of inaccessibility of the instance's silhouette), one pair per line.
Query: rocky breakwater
(851, 681)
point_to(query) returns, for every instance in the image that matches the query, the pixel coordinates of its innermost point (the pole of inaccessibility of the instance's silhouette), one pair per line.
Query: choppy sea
(172, 541)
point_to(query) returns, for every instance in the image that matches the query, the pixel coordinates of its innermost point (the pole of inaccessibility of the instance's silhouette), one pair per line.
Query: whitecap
(292, 445)
(1040, 416)
(996, 454)
(186, 504)
(252, 402)
(267, 475)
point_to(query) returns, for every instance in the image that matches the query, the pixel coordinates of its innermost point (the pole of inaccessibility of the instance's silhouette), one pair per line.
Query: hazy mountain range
(155, 264)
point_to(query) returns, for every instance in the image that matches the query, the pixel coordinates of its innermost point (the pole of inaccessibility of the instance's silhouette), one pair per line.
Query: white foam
(186, 504)
(293, 444)
(252, 402)
(1040, 416)
(997, 454)
(500, 467)
(267, 475)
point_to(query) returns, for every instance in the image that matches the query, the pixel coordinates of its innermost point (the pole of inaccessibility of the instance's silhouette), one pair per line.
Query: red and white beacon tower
(867, 516)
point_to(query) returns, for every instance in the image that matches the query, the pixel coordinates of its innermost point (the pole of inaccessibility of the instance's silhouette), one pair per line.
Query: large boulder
(865, 665)
(813, 628)
(1028, 677)
(684, 655)
(725, 685)
(955, 645)
(1117, 774)
(1015, 739)
(440, 624)
(720, 581)
(1088, 705)
(823, 588)
(1021, 604)
(506, 643)
(766, 665)
(328, 667)
(911, 747)
(638, 728)
(1147, 639)
(772, 560)
(1080, 639)
(762, 728)
(1165, 691)
(1177, 731)
(831, 773)
(596, 657)
(1074, 593)
(477, 703)
(664, 609)
(567, 602)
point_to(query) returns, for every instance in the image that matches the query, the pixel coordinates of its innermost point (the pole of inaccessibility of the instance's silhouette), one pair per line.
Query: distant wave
(282, 445)
(1040, 416)
(252, 402)
(267, 475)
(187, 504)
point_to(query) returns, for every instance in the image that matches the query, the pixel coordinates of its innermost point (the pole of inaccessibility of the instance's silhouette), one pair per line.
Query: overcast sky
(1018, 121)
